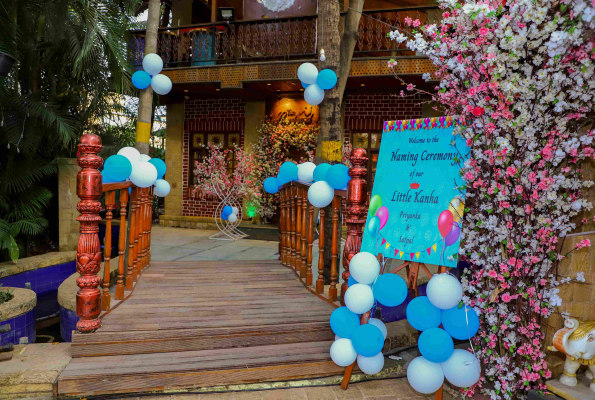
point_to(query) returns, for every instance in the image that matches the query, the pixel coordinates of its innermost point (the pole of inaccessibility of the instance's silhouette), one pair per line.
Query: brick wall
(368, 111)
(215, 115)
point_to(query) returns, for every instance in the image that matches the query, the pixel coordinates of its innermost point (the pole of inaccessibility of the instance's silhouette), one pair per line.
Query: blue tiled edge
(68, 320)
(21, 326)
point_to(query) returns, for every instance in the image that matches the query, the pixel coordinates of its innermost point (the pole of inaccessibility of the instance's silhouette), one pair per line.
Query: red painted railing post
(356, 210)
(88, 251)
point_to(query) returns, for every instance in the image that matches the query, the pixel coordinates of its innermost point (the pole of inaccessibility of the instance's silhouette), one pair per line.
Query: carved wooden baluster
(131, 272)
(303, 268)
(293, 225)
(141, 210)
(356, 211)
(110, 204)
(282, 226)
(332, 294)
(122, 244)
(138, 232)
(287, 226)
(88, 250)
(311, 222)
(298, 230)
(146, 227)
(320, 280)
(151, 196)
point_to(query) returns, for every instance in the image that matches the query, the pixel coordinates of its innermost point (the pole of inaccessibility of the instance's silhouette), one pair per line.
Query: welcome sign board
(416, 209)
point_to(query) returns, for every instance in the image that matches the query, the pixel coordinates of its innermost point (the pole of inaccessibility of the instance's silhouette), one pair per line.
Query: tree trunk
(338, 42)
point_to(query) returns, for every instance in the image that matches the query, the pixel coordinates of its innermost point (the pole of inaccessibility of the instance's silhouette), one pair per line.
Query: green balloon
(375, 204)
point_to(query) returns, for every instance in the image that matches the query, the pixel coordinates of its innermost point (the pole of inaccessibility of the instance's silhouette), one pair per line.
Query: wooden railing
(133, 202)
(298, 220)
(279, 38)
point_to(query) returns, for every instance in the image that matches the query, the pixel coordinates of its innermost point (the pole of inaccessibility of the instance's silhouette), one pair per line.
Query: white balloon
(132, 154)
(161, 84)
(235, 211)
(308, 73)
(370, 365)
(444, 291)
(359, 298)
(152, 64)
(379, 324)
(462, 368)
(232, 218)
(364, 267)
(162, 188)
(424, 376)
(342, 352)
(306, 172)
(314, 95)
(144, 174)
(321, 194)
(144, 157)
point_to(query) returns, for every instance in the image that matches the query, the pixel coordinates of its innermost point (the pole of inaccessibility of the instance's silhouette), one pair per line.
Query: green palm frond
(29, 226)
(29, 203)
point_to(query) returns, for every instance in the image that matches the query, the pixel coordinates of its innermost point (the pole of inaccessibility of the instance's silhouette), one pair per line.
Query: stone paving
(389, 389)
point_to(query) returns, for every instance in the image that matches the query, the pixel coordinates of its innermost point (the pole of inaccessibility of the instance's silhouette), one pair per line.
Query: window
(198, 149)
(371, 142)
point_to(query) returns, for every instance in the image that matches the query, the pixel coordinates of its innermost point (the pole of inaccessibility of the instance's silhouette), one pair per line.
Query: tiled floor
(390, 389)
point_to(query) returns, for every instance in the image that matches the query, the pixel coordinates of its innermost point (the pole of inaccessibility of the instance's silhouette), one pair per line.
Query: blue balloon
(320, 172)
(455, 322)
(367, 340)
(351, 281)
(327, 79)
(141, 80)
(374, 226)
(224, 216)
(288, 172)
(337, 176)
(422, 315)
(390, 290)
(105, 177)
(344, 322)
(117, 167)
(270, 185)
(227, 210)
(160, 165)
(304, 85)
(435, 345)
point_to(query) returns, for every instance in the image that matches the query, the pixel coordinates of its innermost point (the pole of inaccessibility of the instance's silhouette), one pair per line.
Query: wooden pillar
(320, 280)
(88, 251)
(137, 232)
(281, 238)
(130, 273)
(332, 294)
(303, 268)
(311, 223)
(356, 211)
(287, 196)
(298, 229)
(292, 206)
(110, 204)
(122, 244)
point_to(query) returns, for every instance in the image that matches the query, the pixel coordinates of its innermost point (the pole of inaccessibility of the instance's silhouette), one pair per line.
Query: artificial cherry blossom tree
(520, 76)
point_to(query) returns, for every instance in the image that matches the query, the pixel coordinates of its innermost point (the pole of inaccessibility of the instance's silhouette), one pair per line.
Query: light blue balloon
(367, 340)
(455, 322)
(160, 165)
(435, 345)
(117, 167)
(141, 80)
(344, 322)
(422, 315)
(227, 210)
(337, 176)
(390, 290)
(270, 185)
(374, 226)
(320, 172)
(327, 79)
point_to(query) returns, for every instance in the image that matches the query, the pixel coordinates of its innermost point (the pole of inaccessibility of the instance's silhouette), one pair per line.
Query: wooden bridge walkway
(184, 325)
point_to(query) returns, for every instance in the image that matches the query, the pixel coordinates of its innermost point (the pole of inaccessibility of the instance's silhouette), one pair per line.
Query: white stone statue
(577, 341)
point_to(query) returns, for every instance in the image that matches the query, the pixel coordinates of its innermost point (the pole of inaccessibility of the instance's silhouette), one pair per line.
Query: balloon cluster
(142, 170)
(448, 222)
(326, 179)
(365, 287)
(152, 65)
(230, 214)
(379, 215)
(439, 359)
(315, 83)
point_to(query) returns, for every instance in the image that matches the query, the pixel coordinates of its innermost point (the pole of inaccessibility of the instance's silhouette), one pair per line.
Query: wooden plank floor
(205, 323)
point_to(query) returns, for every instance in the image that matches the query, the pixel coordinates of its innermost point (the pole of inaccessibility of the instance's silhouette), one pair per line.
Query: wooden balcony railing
(279, 38)
(298, 219)
(133, 202)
